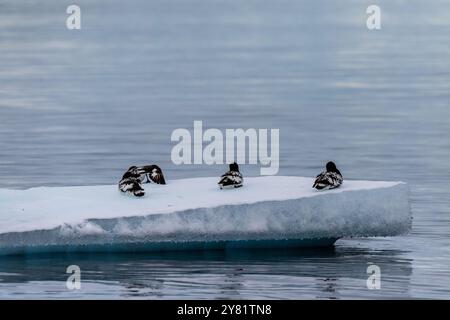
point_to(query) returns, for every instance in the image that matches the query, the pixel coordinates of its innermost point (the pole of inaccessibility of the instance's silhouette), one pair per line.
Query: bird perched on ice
(151, 173)
(135, 176)
(331, 178)
(131, 182)
(232, 178)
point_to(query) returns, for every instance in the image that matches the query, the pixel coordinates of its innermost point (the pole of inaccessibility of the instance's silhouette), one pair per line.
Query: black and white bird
(151, 173)
(331, 178)
(131, 182)
(135, 176)
(232, 178)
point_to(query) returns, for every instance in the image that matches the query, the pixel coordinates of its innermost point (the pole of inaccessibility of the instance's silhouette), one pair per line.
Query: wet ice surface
(34, 209)
(79, 108)
(195, 210)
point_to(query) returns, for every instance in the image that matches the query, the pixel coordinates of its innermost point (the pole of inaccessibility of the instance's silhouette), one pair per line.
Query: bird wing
(319, 179)
(157, 177)
(151, 173)
(231, 177)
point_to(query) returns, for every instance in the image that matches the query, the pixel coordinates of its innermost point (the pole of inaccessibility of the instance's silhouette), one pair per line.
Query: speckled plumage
(331, 178)
(232, 178)
(133, 178)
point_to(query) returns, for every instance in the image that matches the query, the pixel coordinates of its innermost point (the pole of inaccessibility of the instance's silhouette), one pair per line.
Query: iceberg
(271, 211)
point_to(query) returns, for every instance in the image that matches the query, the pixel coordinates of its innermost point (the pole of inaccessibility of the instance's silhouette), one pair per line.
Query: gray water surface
(78, 107)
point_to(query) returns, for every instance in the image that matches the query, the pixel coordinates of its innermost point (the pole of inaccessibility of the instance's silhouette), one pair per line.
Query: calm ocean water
(78, 107)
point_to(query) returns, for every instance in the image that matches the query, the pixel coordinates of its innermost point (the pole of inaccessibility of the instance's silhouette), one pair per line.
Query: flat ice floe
(194, 213)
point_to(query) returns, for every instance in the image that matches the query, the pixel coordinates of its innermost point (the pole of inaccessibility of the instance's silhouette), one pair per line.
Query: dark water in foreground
(324, 273)
(76, 108)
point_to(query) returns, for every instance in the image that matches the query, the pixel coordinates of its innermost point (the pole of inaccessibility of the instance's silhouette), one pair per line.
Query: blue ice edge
(315, 221)
(171, 246)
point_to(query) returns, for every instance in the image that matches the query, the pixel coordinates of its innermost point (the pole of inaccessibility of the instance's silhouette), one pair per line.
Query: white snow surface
(271, 207)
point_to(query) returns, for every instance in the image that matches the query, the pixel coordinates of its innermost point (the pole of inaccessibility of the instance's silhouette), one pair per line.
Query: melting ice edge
(193, 214)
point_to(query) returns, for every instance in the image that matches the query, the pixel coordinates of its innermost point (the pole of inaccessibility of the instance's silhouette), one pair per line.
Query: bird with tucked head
(133, 178)
(331, 178)
(232, 178)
